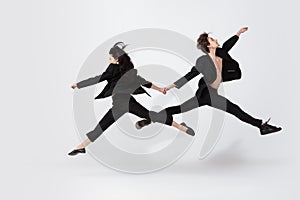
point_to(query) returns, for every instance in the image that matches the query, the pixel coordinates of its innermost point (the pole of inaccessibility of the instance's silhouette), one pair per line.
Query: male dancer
(216, 66)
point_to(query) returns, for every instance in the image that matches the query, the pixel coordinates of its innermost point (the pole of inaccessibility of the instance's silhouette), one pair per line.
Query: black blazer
(204, 65)
(112, 75)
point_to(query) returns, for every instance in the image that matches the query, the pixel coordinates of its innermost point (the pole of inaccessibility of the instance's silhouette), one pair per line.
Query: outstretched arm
(148, 84)
(232, 41)
(183, 80)
(94, 80)
(162, 90)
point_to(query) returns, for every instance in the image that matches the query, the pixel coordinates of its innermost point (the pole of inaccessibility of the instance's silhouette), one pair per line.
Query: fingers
(164, 91)
(244, 29)
(73, 86)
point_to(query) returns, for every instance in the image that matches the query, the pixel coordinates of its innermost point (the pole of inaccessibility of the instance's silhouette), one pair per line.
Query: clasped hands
(162, 90)
(165, 89)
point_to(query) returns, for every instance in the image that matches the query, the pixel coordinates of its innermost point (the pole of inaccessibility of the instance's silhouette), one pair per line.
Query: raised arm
(231, 41)
(94, 80)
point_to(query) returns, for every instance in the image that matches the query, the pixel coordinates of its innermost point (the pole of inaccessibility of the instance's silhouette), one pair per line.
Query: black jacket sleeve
(230, 43)
(148, 85)
(186, 78)
(94, 80)
(143, 82)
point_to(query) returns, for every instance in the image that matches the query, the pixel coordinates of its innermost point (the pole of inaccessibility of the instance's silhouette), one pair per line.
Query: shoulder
(112, 67)
(130, 73)
(220, 51)
(202, 59)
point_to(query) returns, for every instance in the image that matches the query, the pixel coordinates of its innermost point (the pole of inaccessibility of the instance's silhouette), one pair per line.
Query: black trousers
(207, 95)
(125, 103)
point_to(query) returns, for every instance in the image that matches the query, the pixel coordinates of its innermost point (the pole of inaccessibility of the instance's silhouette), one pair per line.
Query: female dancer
(217, 66)
(123, 81)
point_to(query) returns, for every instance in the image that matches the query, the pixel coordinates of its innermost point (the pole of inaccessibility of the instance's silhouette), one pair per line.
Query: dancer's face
(213, 43)
(112, 59)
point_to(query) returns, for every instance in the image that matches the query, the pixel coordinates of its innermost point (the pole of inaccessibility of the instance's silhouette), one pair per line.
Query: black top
(204, 65)
(112, 75)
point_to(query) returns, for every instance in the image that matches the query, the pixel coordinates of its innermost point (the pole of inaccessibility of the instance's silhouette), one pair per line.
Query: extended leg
(186, 106)
(109, 118)
(139, 110)
(222, 103)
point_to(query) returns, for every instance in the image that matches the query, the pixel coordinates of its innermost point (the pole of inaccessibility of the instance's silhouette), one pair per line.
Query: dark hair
(124, 60)
(203, 42)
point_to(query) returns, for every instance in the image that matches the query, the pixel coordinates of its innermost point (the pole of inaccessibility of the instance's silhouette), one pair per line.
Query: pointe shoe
(189, 131)
(267, 128)
(76, 151)
(140, 124)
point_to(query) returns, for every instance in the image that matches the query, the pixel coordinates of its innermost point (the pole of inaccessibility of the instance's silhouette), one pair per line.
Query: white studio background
(43, 45)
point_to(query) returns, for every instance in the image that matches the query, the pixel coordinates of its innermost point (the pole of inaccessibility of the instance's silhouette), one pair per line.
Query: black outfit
(120, 87)
(112, 75)
(206, 95)
(204, 65)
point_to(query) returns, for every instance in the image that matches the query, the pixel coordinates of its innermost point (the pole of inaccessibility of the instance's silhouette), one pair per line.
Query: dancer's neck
(212, 53)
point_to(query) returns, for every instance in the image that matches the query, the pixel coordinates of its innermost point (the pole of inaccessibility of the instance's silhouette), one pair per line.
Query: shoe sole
(271, 132)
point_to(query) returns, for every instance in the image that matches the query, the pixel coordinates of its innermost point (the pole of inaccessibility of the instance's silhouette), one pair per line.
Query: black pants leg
(224, 104)
(202, 93)
(121, 105)
(109, 118)
(210, 97)
(188, 105)
(137, 109)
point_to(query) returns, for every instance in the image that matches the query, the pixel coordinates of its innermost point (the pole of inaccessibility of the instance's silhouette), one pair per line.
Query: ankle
(81, 146)
(183, 128)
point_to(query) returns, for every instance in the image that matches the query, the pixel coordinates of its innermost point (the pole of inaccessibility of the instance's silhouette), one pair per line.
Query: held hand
(74, 85)
(242, 30)
(162, 90)
(165, 90)
(169, 87)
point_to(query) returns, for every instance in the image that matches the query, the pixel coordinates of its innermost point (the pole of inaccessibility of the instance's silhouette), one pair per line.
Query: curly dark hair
(203, 42)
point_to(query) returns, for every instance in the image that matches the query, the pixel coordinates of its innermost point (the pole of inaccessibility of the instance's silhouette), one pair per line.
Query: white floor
(234, 170)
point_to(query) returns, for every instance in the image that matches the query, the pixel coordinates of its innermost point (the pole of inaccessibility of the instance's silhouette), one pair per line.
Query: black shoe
(76, 151)
(140, 124)
(266, 128)
(189, 131)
